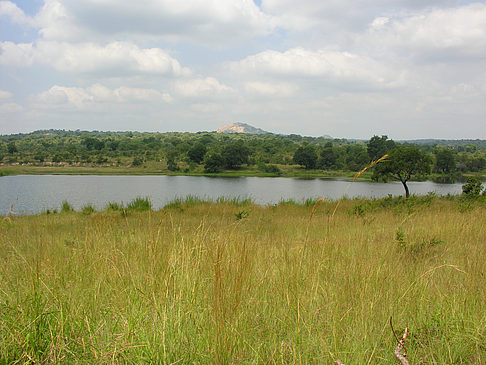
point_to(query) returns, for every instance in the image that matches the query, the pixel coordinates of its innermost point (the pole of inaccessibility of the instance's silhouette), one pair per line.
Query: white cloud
(5, 94)
(10, 108)
(202, 87)
(16, 54)
(333, 66)
(267, 89)
(336, 16)
(458, 32)
(116, 58)
(16, 15)
(82, 98)
(196, 20)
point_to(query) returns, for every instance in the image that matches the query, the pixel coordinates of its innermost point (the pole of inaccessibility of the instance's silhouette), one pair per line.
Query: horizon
(405, 69)
(266, 132)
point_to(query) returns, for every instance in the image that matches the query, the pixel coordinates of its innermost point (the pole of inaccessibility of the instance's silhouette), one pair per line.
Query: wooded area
(210, 152)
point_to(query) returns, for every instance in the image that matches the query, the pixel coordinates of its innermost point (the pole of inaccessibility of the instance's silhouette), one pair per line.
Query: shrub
(114, 206)
(137, 161)
(140, 204)
(213, 163)
(66, 207)
(242, 214)
(472, 188)
(88, 209)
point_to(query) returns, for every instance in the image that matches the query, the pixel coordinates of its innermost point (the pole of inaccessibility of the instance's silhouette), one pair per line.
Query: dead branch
(401, 347)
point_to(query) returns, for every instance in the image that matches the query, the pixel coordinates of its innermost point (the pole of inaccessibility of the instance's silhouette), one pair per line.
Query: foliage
(403, 164)
(306, 156)
(213, 163)
(473, 187)
(197, 152)
(241, 214)
(88, 209)
(234, 155)
(11, 148)
(163, 152)
(137, 161)
(270, 169)
(327, 157)
(377, 147)
(445, 161)
(66, 207)
(139, 204)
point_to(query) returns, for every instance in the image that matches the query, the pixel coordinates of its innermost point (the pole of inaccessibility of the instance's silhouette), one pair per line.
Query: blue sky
(352, 69)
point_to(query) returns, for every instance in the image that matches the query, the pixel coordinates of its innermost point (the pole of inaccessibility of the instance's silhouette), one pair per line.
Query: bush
(270, 169)
(213, 163)
(114, 206)
(137, 161)
(140, 204)
(66, 207)
(472, 188)
(88, 209)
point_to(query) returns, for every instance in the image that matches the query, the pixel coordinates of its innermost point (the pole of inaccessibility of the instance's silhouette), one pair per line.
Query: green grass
(66, 207)
(139, 204)
(200, 285)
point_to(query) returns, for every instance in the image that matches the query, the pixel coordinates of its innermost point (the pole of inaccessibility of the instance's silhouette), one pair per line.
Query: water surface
(33, 194)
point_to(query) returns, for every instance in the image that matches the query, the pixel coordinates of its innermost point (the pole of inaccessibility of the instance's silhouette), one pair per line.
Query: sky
(349, 69)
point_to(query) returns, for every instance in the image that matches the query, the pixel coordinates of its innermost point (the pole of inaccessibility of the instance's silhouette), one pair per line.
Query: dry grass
(192, 284)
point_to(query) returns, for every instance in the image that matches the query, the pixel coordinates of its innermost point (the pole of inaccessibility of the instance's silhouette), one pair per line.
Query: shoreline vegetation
(219, 154)
(7, 170)
(229, 281)
(293, 172)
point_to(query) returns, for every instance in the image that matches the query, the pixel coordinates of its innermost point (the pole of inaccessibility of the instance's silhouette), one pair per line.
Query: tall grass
(198, 286)
(139, 204)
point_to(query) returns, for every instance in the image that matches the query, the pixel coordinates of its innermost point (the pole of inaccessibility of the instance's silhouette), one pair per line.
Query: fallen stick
(400, 347)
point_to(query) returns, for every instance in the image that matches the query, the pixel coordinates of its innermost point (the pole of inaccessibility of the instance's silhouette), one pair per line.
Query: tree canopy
(402, 164)
(306, 156)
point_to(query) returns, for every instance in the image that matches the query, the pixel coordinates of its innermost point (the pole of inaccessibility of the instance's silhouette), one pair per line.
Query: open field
(233, 282)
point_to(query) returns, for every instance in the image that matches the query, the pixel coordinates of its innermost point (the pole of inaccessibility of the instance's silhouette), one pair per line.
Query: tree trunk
(407, 192)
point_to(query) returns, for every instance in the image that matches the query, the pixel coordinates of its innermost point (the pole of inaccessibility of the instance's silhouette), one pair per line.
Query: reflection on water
(34, 194)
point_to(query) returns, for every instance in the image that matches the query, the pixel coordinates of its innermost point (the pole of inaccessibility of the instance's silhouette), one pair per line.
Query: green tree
(445, 161)
(171, 161)
(306, 156)
(197, 153)
(327, 157)
(472, 188)
(213, 163)
(403, 164)
(379, 146)
(11, 147)
(234, 155)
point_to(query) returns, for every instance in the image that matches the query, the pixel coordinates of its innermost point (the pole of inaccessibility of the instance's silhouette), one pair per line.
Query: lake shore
(124, 170)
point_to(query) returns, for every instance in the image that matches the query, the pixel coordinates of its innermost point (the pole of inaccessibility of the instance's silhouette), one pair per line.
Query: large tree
(377, 147)
(306, 156)
(234, 155)
(402, 164)
(445, 161)
(197, 152)
(327, 157)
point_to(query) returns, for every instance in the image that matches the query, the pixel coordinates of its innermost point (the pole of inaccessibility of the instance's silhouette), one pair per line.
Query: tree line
(212, 152)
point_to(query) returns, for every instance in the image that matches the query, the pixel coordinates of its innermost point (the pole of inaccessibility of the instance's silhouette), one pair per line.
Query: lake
(32, 194)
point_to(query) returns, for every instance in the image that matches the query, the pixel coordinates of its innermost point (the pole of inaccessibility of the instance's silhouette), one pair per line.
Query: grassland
(232, 282)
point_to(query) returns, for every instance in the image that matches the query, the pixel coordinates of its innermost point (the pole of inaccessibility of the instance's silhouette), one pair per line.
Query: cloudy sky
(352, 69)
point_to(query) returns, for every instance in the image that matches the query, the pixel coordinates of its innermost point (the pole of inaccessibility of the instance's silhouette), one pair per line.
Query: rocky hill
(240, 128)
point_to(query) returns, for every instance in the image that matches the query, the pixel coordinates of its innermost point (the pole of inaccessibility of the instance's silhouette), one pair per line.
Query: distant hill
(240, 128)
